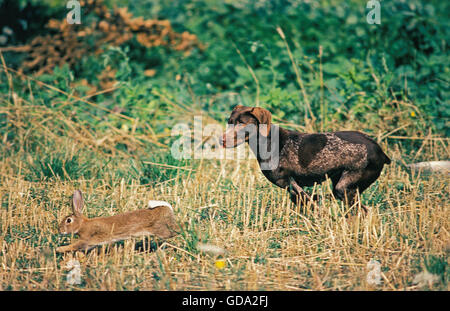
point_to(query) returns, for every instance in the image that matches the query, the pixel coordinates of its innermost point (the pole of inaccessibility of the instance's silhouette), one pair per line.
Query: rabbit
(157, 220)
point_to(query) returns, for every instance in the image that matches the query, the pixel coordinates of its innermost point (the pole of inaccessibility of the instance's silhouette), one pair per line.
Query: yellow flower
(220, 264)
(413, 114)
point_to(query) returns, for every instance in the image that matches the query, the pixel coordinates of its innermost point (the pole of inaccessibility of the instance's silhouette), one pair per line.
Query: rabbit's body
(123, 226)
(156, 220)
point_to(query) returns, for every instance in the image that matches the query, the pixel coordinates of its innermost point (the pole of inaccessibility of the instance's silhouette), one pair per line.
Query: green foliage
(58, 165)
(407, 53)
(26, 18)
(61, 78)
(363, 65)
(438, 265)
(168, 169)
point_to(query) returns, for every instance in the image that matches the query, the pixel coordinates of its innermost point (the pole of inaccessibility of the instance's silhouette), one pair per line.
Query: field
(269, 244)
(104, 125)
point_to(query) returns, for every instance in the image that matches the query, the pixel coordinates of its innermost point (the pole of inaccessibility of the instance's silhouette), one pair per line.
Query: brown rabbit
(157, 220)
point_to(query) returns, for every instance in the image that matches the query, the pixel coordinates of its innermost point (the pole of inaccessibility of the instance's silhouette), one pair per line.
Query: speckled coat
(351, 159)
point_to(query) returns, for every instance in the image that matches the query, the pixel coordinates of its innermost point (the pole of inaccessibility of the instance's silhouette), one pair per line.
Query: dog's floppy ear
(237, 111)
(240, 107)
(264, 117)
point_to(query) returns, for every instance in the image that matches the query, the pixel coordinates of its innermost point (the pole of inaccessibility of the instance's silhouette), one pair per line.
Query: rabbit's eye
(69, 220)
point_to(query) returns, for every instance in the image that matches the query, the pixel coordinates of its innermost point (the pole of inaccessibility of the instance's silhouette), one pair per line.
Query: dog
(351, 159)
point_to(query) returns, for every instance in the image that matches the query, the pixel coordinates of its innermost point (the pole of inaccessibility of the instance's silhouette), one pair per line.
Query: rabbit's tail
(154, 203)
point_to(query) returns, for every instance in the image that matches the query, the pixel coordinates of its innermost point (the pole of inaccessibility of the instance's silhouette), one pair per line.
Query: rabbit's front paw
(62, 249)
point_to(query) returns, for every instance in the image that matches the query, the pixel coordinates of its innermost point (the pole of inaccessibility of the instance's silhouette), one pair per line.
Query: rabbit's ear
(77, 202)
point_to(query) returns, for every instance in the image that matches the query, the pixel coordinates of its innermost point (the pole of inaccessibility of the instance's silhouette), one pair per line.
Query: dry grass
(269, 244)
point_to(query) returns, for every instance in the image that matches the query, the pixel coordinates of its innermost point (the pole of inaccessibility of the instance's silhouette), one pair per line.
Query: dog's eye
(69, 220)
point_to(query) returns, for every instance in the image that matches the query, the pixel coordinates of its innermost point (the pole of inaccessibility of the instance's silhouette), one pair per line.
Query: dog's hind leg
(347, 187)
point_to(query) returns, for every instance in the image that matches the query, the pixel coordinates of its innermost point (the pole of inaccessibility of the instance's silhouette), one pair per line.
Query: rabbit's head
(71, 224)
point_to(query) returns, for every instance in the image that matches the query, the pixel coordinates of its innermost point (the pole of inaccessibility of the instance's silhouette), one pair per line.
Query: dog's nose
(222, 140)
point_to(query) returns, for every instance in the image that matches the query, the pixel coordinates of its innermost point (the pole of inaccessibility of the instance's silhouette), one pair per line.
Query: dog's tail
(386, 159)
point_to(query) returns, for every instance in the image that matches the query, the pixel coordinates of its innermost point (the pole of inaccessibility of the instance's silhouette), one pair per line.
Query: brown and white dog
(352, 160)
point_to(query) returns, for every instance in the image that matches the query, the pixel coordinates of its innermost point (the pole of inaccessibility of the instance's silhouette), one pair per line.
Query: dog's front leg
(299, 196)
(297, 193)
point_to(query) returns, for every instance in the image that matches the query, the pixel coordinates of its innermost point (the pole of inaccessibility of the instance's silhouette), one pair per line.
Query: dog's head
(245, 122)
